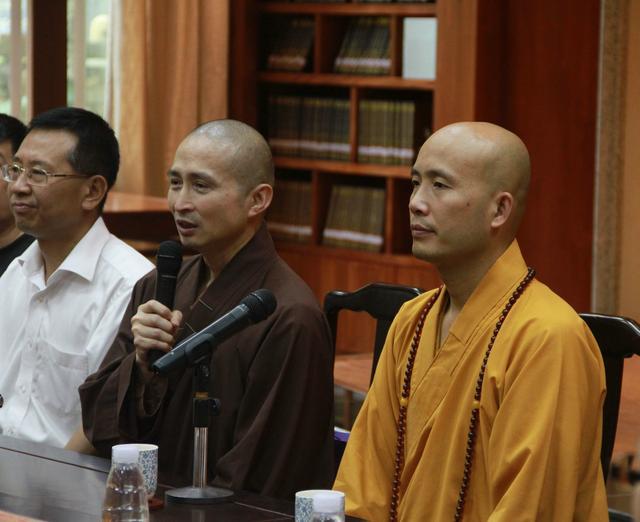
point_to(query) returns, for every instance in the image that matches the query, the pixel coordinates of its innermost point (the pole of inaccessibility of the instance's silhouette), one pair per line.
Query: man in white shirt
(12, 240)
(64, 297)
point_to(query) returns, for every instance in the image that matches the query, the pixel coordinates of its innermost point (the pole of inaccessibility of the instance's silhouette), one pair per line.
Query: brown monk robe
(273, 434)
(274, 379)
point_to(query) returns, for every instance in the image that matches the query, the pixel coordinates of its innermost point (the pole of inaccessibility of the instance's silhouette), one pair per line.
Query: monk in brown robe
(274, 379)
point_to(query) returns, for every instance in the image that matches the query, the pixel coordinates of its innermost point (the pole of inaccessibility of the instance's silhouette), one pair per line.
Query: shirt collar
(491, 294)
(82, 260)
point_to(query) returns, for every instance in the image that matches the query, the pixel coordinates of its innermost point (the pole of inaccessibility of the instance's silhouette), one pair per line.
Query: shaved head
(246, 151)
(498, 155)
(470, 183)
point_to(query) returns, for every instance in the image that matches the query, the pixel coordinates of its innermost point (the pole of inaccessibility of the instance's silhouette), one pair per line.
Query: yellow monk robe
(537, 449)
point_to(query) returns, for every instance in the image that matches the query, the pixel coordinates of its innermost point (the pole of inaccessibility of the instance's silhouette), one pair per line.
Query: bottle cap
(328, 502)
(124, 453)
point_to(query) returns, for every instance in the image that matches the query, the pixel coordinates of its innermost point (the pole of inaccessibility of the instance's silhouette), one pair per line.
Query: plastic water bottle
(126, 498)
(328, 507)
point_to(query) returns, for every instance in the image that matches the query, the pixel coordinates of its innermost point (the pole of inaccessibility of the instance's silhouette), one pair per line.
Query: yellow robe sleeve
(366, 471)
(545, 431)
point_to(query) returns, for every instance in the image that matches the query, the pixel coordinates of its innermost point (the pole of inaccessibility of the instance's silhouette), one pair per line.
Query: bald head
(496, 154)
(246, 151)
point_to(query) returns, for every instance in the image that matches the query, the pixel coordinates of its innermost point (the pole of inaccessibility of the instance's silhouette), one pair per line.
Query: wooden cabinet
(468, 63)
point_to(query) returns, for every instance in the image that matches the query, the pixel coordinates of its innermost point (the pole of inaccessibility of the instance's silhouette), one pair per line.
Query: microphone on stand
(193, 351)
(168, 262)
(255, 307)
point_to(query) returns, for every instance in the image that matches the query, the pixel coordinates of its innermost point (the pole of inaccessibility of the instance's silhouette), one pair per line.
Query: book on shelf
(396, 1)
(365, 47)
(386, 132)
(291, 46)
(310, 127)
(289, 216)
(355, 218)
(419, 42)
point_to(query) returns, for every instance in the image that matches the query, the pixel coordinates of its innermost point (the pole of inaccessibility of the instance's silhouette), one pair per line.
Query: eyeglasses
(35, 176)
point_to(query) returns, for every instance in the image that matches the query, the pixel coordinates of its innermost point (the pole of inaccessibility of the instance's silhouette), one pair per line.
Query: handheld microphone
(254, 308)
(168, 261)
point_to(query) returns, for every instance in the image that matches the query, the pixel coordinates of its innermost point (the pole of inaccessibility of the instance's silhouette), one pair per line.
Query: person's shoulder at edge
(548, 322)
(291, 291)
(125, 260)
(547, 310)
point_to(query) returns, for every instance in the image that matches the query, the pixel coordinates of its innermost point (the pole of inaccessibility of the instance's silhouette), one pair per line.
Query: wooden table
(139, 217)
(63, 486)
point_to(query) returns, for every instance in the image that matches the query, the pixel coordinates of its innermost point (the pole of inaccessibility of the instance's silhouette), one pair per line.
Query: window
(87, 38)
(14, 70)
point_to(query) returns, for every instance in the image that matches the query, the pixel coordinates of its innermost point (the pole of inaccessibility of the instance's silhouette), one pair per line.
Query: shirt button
(1, 401)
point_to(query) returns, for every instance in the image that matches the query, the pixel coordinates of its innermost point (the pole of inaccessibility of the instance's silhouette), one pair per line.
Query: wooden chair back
(618, 338)
(380, 300)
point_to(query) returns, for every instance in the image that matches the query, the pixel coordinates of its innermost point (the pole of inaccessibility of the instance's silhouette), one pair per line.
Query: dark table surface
(63, 486)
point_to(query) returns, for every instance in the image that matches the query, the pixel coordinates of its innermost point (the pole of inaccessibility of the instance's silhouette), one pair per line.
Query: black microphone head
(169, 258)
(260, 303)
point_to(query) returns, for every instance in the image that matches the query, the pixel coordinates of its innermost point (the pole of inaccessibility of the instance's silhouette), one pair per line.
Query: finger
(150, 334)
(144, 345)
(155, 307)
(176, 319)
(153, 320)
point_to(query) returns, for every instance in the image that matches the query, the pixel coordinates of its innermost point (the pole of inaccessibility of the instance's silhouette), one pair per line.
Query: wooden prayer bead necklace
(473, 423)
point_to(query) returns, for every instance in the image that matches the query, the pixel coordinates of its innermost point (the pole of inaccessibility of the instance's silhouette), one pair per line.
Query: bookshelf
(465, 86)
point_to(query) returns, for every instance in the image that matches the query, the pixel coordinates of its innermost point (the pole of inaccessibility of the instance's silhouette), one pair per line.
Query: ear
(95, 189)
(259, 199)
(502, 209)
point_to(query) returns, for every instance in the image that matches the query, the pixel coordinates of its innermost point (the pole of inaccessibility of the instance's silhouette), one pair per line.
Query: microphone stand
(203, 407)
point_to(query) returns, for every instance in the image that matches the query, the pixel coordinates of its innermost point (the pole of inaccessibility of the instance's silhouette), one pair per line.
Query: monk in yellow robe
(495, 414)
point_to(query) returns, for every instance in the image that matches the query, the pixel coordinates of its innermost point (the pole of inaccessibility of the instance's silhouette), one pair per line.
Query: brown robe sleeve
(281, 443)
(108, 396)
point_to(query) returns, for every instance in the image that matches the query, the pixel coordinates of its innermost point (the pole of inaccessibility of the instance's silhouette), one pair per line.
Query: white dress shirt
(54, 334)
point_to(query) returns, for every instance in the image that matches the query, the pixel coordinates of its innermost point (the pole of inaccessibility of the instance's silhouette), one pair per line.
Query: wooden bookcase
(466, 88)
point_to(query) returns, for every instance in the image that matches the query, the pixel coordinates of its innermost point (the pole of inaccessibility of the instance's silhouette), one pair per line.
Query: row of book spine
(365, 47)
(292, 44)
(318, 128)
(396, 1)
(363, 1)
(309, 127)
(289, 216)
(319, 1)
(386, 132)
(355, 218)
